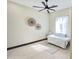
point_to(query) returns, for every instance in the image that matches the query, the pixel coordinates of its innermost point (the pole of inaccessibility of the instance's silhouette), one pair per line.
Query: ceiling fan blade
(38, 7)
(52, 9)
(41, 9)
(53, 6)
(48, 11)
(46, 0)
(44, 3)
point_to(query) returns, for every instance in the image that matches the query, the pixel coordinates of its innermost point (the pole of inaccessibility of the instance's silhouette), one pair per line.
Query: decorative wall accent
(38, 26)
(30, 21)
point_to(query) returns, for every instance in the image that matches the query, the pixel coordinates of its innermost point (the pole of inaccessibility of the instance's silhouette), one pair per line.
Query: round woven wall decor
(30, 21)
(38, 26)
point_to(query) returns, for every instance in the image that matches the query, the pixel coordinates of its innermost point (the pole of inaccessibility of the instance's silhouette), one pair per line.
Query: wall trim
(10, 48)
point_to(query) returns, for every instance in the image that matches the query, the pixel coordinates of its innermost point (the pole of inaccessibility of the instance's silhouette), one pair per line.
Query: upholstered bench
(58, 40)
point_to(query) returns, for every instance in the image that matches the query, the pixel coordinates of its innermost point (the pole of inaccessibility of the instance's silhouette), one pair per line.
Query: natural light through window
(61, 24)
(39, 47)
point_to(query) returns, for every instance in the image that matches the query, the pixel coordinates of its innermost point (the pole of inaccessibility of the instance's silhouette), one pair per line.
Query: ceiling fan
(46, 7)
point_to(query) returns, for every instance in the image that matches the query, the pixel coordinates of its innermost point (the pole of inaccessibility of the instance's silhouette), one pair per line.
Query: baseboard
(25, 44)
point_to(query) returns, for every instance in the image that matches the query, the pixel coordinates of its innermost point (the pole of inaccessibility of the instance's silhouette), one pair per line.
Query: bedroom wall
(18, 31)
(65, 12)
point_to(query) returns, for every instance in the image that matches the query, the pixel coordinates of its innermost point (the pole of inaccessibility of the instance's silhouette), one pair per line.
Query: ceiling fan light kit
(46, 7)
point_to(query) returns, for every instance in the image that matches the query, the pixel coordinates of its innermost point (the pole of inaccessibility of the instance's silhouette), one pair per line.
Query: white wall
(65, 12)
(18, 31)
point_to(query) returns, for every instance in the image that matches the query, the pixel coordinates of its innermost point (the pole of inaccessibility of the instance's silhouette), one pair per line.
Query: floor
(39, 50)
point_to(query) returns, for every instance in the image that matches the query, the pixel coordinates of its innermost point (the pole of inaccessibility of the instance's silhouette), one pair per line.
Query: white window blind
(61, 24)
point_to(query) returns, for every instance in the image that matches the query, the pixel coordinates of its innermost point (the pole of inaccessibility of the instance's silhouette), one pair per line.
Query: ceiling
(62, 4)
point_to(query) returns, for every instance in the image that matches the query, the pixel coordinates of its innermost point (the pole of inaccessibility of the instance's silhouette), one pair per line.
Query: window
(61, 24)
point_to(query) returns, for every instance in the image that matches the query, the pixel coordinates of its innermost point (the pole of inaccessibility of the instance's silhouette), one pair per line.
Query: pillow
(60, 35)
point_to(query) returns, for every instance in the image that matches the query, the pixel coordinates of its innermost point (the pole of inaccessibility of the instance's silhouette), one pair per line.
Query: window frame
(66, 22)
